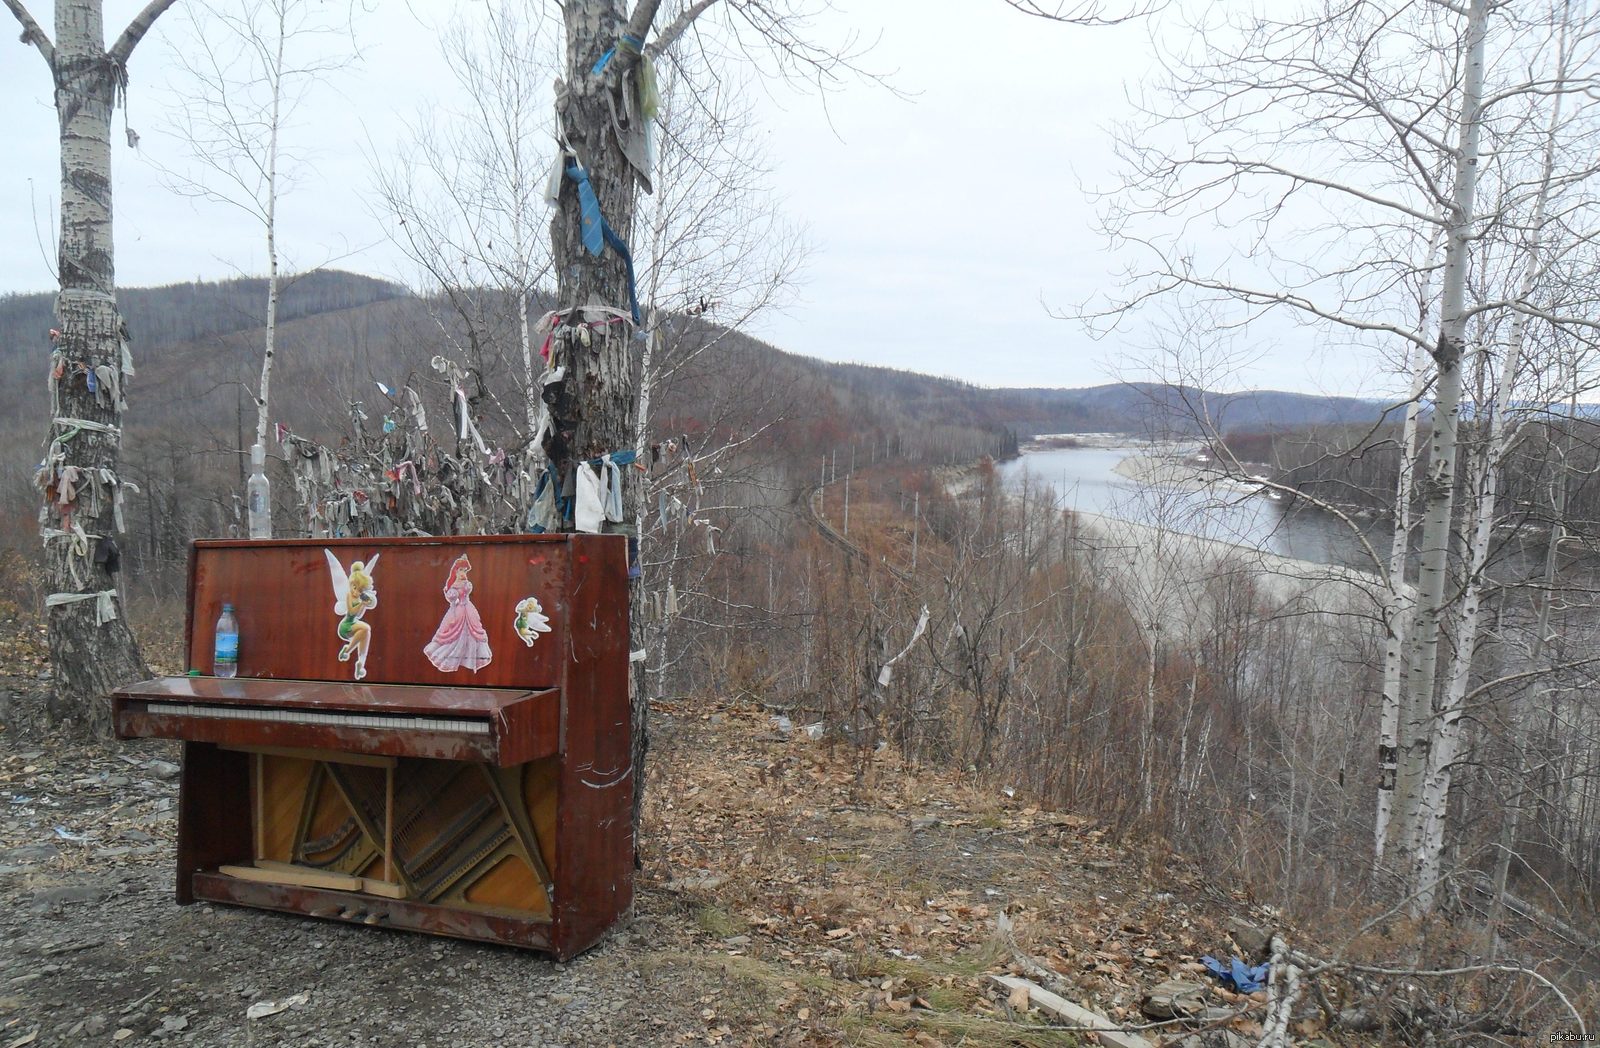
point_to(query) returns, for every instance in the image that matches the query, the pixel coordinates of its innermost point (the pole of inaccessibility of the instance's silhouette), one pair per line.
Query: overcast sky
(947, 223)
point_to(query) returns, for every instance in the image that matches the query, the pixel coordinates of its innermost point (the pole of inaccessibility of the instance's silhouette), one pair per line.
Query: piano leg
(210, 832)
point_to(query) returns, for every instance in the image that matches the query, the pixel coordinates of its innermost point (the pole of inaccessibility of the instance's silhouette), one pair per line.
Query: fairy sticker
(460, 642)
(354, 595)
(531, 620)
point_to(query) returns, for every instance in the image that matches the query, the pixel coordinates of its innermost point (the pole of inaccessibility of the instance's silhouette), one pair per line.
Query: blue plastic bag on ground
(1237, 974)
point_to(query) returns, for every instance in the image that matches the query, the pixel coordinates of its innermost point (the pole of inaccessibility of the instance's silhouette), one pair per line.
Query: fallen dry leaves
(867, 908)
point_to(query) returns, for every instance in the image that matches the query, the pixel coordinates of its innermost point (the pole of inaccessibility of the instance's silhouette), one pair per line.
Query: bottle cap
(227, 607)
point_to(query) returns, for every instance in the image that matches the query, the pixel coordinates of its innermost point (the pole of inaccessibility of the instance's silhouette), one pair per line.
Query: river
(1086, 479)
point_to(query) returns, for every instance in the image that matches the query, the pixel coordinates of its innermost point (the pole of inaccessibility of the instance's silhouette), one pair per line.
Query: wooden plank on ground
(1107, 1031)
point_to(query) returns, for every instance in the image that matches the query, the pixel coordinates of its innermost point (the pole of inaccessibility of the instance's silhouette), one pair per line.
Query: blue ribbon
(618, 458)
(633, 43)
(597, 232)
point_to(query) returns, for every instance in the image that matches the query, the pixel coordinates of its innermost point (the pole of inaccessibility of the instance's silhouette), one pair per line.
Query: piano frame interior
(492, 804)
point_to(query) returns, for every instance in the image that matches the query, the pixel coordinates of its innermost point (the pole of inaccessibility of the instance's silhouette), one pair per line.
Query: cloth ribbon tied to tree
(598, 234)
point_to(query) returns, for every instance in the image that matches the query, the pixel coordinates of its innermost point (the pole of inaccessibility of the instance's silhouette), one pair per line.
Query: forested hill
(176, 313)
(1123, 407)
(197, 348)
(197, 341)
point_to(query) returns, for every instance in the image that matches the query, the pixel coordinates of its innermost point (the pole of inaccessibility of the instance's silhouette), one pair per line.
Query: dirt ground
(792, 893)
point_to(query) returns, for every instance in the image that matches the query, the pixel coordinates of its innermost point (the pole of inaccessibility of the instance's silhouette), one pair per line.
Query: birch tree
(602, 116)
(240, 79)
(715, 253)
(1347, 140)
(464, 199)
(92, 649)
(1501, 428)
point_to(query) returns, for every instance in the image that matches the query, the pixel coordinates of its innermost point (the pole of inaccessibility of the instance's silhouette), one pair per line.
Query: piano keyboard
(333, 720)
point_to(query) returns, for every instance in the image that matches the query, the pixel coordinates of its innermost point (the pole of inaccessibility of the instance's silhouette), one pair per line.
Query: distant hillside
(175, 332)
(159, 316)
(197, 348)
(341, 329)
(1139, 407)
(1145, 406)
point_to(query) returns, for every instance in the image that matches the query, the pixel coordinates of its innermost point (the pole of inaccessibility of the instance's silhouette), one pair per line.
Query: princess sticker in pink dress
(460, 642)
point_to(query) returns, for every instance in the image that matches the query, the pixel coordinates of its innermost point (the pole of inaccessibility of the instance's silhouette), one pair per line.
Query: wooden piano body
(489, 803)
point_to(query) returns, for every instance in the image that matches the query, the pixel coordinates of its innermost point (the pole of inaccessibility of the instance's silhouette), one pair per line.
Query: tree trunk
(1435, 798)
(594, 409)
(91, 647)
(263, 396)
(1417, 724)
(1397, 612)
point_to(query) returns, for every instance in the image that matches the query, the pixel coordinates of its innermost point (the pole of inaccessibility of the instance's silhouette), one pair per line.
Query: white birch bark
(91, 652)
(1401, 599)
(1435, 795)
(1398, 608)
(530, 374)
(1147, 726)
(275, 76)
(1433, 600)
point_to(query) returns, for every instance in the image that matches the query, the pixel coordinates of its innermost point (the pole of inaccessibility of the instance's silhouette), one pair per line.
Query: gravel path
(97, 951)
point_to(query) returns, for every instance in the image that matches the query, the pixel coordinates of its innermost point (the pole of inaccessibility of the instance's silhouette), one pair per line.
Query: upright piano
(424, 734)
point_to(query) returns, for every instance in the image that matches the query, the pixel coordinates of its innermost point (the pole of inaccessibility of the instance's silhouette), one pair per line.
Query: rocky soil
(792, 893)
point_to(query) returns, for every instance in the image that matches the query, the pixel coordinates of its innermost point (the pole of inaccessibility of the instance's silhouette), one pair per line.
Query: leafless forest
(1401, 758)
(1197, 698)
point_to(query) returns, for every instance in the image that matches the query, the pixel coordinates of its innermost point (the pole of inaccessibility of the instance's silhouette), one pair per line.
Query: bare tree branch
(670, 33)
(123, 48)
(1086, 12)
(32, 33)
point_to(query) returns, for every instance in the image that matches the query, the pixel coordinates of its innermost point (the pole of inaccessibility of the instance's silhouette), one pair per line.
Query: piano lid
(310, 694)
(501, 726)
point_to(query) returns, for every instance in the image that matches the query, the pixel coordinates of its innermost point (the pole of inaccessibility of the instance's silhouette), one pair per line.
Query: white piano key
(318, 717)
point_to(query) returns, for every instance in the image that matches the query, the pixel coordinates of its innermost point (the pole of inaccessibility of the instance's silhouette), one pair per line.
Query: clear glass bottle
(258, 495)
(225, 657)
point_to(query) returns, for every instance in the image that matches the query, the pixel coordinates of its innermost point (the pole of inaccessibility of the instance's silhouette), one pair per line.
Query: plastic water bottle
(225, 659)
(258, 495)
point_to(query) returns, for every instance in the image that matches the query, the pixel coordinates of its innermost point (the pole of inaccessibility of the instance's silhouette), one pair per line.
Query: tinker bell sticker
(531, 620)
(460, 642)
(354, 595)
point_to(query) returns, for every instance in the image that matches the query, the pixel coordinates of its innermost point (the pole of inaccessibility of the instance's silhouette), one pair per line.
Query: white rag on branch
(886, 674)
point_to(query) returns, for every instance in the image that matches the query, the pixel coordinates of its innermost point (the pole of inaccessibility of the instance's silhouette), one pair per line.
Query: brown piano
(426, 734)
